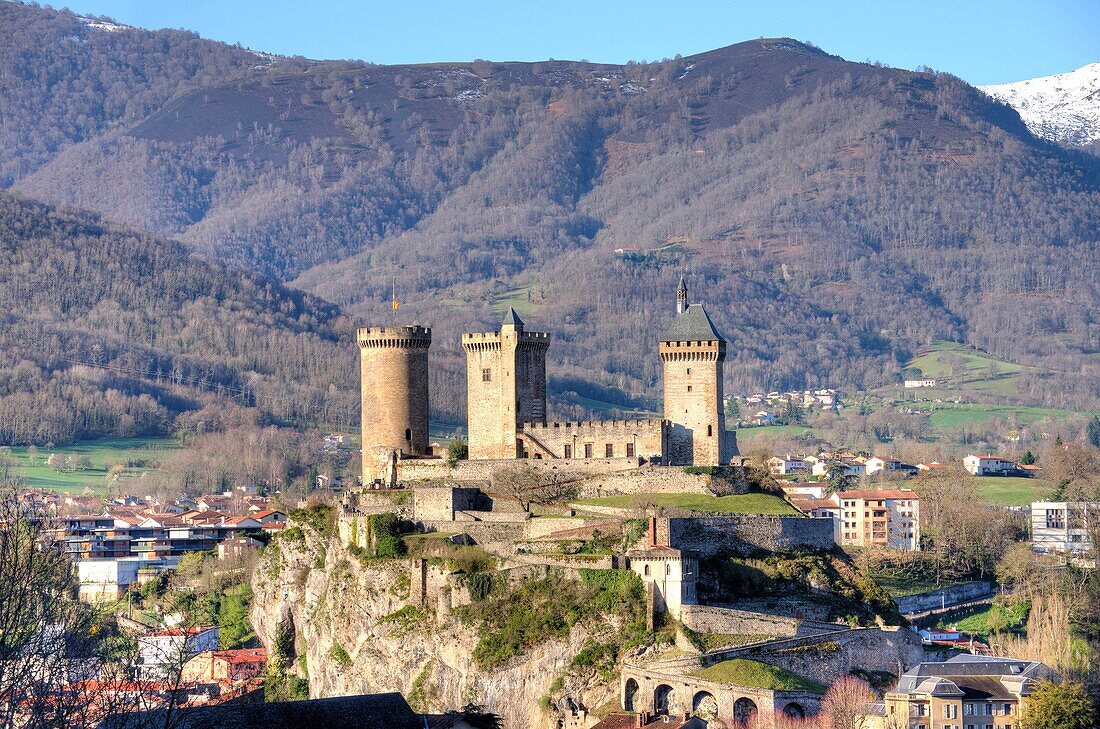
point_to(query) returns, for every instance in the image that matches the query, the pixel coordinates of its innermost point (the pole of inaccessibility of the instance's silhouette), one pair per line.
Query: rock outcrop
(372, 625)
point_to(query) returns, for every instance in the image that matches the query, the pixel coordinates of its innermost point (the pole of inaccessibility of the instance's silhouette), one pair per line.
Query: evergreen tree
(1092, 432)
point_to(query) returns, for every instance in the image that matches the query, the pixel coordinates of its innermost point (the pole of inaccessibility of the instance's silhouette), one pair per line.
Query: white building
(876, 464)
(787, 465)
(913, 384)
(1064, 527)
(988, 465)
(166, 651)
(109, 579)
(854, 469)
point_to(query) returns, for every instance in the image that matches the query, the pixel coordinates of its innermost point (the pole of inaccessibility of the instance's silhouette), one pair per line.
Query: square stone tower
(505, 386)
(693, 351)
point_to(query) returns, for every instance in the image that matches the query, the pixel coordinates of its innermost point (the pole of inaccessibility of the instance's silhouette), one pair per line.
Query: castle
(506, 399)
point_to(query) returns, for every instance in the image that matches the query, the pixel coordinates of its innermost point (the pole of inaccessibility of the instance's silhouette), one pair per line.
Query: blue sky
(983, 42)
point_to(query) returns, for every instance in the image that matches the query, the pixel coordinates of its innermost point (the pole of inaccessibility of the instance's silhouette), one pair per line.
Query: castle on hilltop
(506, 399)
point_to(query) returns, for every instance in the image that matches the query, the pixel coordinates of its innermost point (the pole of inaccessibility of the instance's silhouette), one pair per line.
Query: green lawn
(1009, 490)
(145, 454)
(995, 618)
(736, 504)
(745, 672)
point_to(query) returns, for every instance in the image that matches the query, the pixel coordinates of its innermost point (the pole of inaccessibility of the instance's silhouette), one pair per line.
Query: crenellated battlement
(606, 425)
(413, 335)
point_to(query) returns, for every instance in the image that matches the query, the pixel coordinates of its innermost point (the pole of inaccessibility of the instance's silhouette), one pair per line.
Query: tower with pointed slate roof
(693, 352)
(505, 386)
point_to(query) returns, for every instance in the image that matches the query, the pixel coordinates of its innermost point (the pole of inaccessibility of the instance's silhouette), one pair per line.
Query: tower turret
(693, 352)
(394, 382)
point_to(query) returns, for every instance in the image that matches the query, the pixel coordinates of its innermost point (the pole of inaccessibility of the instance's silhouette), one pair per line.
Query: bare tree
(844, 703)
(530, 486)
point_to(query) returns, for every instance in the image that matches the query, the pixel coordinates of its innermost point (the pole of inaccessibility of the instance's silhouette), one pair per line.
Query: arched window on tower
(408, 434)
(710, 430)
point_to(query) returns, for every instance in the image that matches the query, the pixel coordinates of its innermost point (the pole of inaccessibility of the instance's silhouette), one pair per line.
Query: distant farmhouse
(506, 387)
(988, 465)
(914, 384)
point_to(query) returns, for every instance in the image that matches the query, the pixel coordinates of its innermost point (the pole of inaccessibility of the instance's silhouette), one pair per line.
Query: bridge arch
(705, 706)
(664, 699)
(744, 710)
(630, 690)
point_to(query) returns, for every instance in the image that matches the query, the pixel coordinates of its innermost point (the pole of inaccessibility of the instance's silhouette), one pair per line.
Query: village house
(988, 465)
(971, 691)
(225, 665)
(888, 466)
(787, 465)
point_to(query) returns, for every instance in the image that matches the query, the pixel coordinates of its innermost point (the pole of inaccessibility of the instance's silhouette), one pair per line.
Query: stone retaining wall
(712, 619)
(744, 533)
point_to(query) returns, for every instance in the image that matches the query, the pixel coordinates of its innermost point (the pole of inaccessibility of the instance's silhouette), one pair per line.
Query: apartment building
(1064, 527)
(878, 518)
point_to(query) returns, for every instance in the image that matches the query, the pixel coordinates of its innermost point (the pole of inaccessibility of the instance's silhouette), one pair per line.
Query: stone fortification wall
(710, 619)
(481, 471)
(440, 503)
(742, 534)
(658, 480)
(497, 537)
(868, 649)
(590, 439)
(946, 596)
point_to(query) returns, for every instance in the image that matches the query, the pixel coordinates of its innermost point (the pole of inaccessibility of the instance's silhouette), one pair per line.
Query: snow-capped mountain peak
(1063, 108)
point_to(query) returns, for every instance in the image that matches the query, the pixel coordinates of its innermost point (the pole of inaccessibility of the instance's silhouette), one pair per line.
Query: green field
(976, 369)
(737, 504)
(745, 672)
(1010, 491)
(947, 416)
(145, 454)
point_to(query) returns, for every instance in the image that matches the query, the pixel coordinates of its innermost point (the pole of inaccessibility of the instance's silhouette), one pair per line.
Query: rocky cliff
(363, 624)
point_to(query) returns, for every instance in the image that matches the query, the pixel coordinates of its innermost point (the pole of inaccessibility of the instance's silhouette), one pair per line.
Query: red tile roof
(871, 494)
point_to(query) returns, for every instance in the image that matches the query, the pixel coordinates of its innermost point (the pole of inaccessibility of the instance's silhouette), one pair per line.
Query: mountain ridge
(1064, 107)
(832, 215)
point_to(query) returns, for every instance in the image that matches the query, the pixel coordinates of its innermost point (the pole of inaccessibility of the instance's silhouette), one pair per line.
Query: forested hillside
(108, 331)
(833, 215)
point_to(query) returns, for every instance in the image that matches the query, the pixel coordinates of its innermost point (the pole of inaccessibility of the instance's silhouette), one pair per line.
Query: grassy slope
(1010, 491)
(744, 672)
(738, 504)
(101, 452)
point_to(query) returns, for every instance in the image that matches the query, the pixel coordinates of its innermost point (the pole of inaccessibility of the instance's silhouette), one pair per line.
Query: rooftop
(694, 325)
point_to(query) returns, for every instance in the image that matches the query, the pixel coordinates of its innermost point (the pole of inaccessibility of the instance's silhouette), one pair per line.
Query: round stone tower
(394, 381)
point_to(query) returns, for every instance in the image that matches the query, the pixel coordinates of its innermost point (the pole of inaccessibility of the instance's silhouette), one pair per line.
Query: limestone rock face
(362, 629)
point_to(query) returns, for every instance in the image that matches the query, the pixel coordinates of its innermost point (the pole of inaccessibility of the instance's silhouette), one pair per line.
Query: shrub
(480, 584)
(338, 654)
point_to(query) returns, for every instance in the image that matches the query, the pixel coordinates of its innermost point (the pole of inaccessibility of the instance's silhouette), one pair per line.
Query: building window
(587, 450)
(646, 568)
(609, 451)
(689, 388)
(710, 430)
(629, 450)
(668, 568)
(568, 451)
(689, 370)
(408, 434)
(486, 375)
